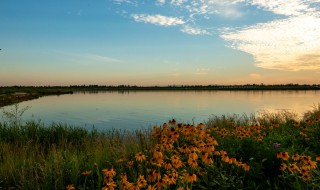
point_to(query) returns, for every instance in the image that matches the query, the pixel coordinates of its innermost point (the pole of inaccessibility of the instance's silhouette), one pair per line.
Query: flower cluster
(298, 164)
(177, 157)
(184, 156)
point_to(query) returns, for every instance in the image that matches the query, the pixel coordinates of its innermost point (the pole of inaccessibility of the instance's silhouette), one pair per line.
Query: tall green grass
(35, 156)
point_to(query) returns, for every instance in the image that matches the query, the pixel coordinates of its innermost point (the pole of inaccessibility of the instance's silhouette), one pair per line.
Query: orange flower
(183, 149)
(193, 155)
(110, 173)
(308, 121)
(141, 182)
(168, 145)
(283, 166)
(311, 164)
(154, 176)
(223, 152)
(156, 162)
(283, 155)
(305, 159)
(215, 128)
(303, 170)
(293, 167)
(140, 157)
(318, 158)
(165, 125)
(161, 184)
(172, 122)
(157, 154)
(295, 157)
(246, 166)
(176, 162)
(279, 154)
(174, 173)
(200, 125)
(128, 185)
(225, 158)
(70, 187)
(169, 179)
(111, 185)
(167, 165)
(130, 164)
(175, 135)
(175, 157)
(172, 130)
(191, 177)
(296, 124)
(209, 148)
(193, 163)
(204, 155)
(233, 161)
(180, 125)
(193, 148)
(208, 160)
(123, 177)
(306, 176)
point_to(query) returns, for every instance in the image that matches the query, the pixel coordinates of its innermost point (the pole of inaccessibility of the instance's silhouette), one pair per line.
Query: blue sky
(160, 42)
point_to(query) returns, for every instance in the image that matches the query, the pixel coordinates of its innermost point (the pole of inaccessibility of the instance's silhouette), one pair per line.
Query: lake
(142, 109)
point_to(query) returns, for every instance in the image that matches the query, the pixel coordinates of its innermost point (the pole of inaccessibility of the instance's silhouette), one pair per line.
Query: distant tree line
(46, 90)
(203, 87)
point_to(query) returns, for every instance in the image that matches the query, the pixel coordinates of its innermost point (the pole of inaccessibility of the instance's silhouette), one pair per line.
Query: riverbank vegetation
(269, 151)
(16, 94)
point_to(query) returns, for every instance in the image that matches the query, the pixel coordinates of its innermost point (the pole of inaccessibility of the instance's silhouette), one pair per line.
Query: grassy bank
(271, 151)
(14, 95)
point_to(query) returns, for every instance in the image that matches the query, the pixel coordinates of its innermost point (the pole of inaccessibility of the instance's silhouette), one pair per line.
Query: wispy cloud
(158, 19)
(178, 2)
(100, 58)
(130, 2)
(207, 8)
(194, 31)
(88, 58)
(161, 2)
(189, 9)
(289, 8)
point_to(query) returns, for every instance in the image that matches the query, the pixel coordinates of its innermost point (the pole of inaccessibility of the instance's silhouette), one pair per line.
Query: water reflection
(141, 109)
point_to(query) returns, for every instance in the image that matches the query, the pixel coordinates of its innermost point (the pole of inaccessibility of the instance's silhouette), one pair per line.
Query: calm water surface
(132, 110)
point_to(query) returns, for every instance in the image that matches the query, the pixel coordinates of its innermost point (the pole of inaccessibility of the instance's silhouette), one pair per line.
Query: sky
(159, 42)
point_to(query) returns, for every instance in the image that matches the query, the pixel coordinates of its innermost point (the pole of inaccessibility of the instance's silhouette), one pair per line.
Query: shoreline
(16, 94)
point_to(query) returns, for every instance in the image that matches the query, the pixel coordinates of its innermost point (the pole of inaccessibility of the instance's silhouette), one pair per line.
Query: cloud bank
(288, 42)
(292, 43)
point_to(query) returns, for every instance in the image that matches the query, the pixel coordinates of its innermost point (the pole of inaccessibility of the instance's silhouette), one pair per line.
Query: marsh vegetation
(272, 151)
